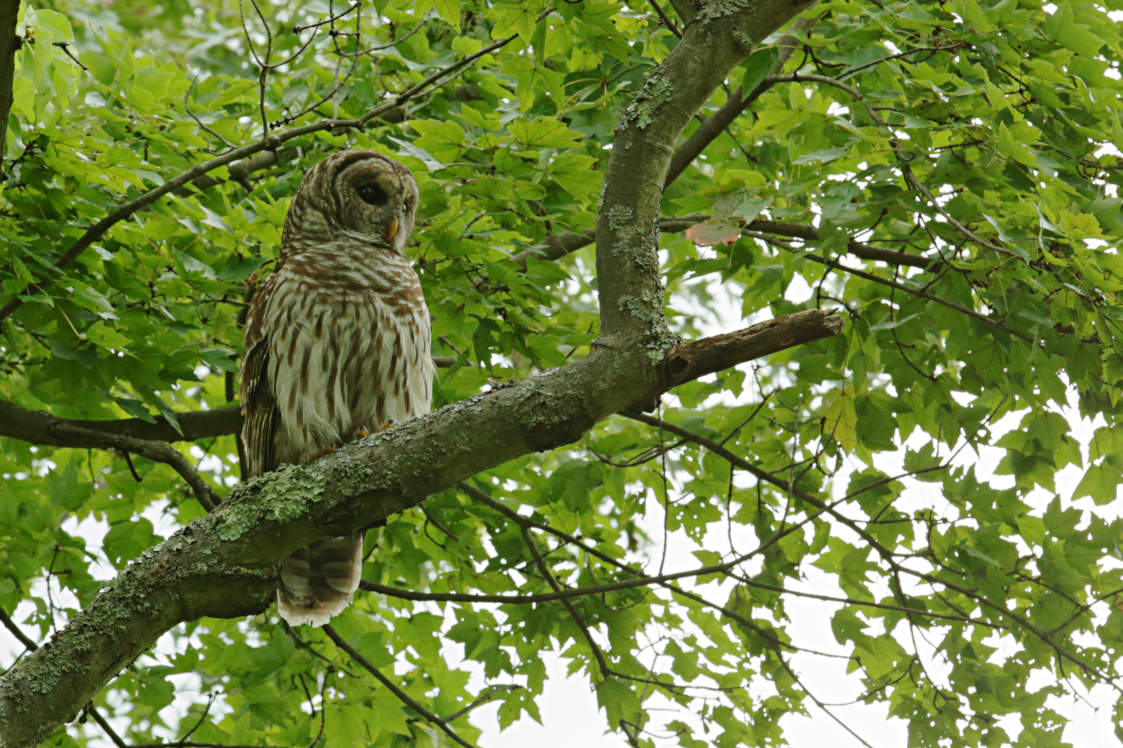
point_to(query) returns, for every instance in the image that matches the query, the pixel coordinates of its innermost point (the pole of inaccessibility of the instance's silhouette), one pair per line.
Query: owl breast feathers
(337, 344)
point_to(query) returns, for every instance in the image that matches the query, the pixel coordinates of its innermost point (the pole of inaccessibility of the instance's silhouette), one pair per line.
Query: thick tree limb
(718, 37)
(224, 564)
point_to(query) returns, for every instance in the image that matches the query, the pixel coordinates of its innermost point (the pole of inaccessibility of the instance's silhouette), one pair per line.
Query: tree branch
(725, 567)
(154, 450)
(693, 360)
(556, 246)
(9, 43)
(224, 564)
(578, 620)
(37, 427)
(11, 625)
(854, 247)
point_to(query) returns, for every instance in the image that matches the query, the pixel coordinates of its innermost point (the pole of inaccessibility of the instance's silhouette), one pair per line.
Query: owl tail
(319, 581)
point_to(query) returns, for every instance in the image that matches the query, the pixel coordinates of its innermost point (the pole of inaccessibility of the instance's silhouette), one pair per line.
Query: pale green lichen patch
(656, 92)
(744, 40)
(618, 216)
(716, 9)
(633, 305)
(640, 255)
(290, 489)
(294, 489)
(647, 307)
(662, 343)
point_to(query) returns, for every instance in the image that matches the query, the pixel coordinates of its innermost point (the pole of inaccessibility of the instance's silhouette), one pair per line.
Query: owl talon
(325, 451)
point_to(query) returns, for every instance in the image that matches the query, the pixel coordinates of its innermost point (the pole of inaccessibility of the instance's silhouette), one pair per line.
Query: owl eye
(371, 194)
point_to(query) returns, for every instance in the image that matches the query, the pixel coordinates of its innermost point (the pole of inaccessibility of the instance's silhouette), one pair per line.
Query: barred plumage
(337, 343)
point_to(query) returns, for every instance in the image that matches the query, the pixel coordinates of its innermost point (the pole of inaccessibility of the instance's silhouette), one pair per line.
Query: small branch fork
(154, 450)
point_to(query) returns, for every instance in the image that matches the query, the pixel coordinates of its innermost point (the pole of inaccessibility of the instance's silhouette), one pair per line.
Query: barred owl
(336, 345)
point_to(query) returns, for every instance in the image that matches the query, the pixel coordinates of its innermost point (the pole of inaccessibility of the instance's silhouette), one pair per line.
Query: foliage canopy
(942, 172)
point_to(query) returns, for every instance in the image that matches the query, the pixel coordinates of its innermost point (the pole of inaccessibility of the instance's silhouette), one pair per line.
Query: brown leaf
(709, 233)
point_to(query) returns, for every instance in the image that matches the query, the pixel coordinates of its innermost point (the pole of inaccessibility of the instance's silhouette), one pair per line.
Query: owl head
(355, 194)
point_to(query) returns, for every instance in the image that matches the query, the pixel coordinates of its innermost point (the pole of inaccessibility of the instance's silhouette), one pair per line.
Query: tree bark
(9, 42)
(38, 427)
(717, 37)
(224, 564)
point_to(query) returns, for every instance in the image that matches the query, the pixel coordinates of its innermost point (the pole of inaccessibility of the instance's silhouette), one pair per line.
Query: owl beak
(392, 229)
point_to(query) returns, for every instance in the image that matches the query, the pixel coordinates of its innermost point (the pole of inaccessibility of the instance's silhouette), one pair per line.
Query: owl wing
(260, 416)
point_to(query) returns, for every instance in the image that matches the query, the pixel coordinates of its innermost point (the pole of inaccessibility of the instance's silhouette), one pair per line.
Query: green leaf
(126, 540)
(619, 702)
(1101, 482)
(758, 65)
(841, 421)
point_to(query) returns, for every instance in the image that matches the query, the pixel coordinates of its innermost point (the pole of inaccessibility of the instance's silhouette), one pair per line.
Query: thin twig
(885, 553)
(192, 115)
(108, 730)
(648, 581)
(327, 21)
(544, 569)
(15, 629)
(65, 47)
(665, 19)
(405, 698)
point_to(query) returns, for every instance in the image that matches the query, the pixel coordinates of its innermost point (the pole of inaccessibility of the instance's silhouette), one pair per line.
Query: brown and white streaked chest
(349, 349)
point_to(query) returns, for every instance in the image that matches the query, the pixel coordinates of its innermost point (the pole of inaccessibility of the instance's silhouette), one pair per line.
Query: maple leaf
(709, 233)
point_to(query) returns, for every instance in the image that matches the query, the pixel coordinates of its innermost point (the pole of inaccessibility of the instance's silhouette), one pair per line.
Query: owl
(336, 345)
